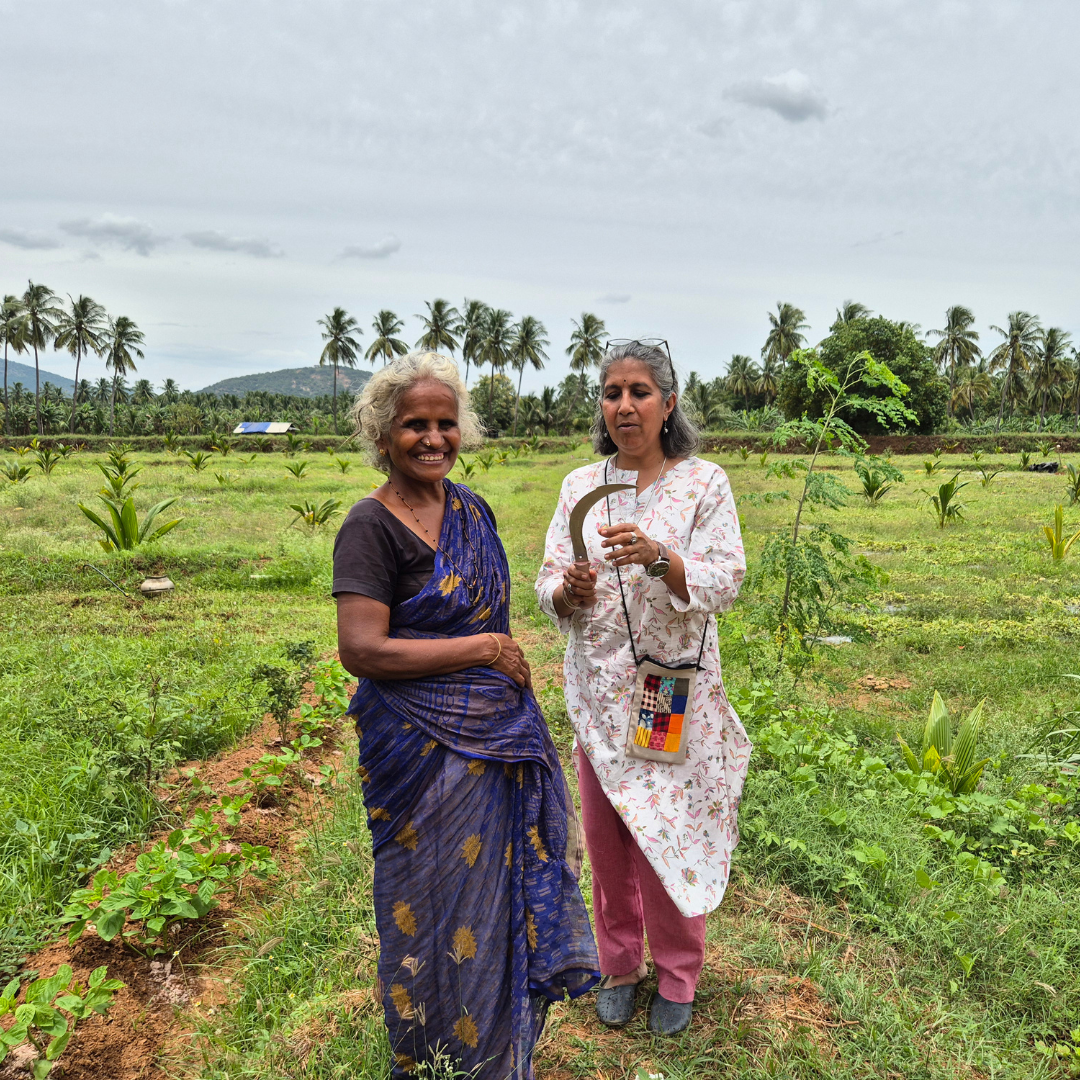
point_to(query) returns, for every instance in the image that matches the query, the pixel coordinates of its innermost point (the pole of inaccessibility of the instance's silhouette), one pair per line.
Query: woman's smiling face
(634, 408)
(424, 438)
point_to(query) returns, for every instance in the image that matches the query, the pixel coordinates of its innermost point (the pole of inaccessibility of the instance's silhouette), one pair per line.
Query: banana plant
(123, 532)
(944, 501)
(951, 761)
(1055, 537)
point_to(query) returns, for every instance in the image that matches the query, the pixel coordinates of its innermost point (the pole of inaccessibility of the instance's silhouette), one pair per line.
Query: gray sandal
(615, 1004)
(669, 1017)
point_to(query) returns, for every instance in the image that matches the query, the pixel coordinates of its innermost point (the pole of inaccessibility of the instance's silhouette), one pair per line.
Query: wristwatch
(662, 564)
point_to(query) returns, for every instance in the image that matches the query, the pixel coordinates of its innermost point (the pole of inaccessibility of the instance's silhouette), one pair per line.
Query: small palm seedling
(224, 479)
(987, 475)
(932, 467)
(763, 458)
(946, 508)
(950, 761)
(15, 473)
(171, 443)
(1025, 459)
(40, 1021)
(485, 461)
(46, 459)
(263, 444)
(297, 468)
(467, 468)
(1072, 486)
(313, 516)
(292, 443)
(1055, 536)
(977, 455)
(743, 452)
(124, 532)
(937, 453)
(198, 460)
(223, 446)
(1045, 446)
(999, 449)
(343, 464)
(119, 479)
(877, 478)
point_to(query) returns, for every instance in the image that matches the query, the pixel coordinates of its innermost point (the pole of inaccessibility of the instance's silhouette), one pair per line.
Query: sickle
(577, 516)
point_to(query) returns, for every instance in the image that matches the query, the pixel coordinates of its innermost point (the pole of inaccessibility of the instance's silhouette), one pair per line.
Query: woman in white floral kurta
(681, 818)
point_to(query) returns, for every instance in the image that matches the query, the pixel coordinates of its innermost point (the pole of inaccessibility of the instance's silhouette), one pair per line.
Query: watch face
(658, 568)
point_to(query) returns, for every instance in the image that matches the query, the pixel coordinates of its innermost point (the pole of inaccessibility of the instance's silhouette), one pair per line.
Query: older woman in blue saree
(481, 922)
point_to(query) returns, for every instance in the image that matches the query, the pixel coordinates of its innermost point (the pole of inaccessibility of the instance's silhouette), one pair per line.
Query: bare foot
(630, 978)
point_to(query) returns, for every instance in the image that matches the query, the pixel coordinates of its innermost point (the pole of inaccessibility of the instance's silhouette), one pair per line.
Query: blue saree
(481, 923)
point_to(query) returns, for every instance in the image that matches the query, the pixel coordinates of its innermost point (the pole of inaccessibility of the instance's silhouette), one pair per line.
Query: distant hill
(24, 373)
(301, 382)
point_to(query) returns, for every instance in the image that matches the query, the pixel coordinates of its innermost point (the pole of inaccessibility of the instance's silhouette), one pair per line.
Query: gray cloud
(20, 238)
(124, 232)
(790, 96)
(216, 241)
(614, 298)
(381, 250)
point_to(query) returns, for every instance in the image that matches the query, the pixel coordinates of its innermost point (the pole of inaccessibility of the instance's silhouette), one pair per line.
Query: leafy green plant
(1072, 485)
(485, 461)
(932, 467)
(124, 532)
(877, 477)
(297, 468)
(223, 446)
(264, 444)
(763, 458)
(269, 775)
(224, 479)
(282, 694)
(147, 734)
(947, 509)
(46, 459)
(171, 442)
(1025, 459)
(292, 443)
(1045, 446)
(1055, 536)
(313, 515)
(15, 473)
(343, 464)
(977, 455)
(40, 1021)
(330, 680)
(197, 460)
(988, 475)
(743, 452)
(119, 476)
(950, 761)
(467, 468)
(938, 451)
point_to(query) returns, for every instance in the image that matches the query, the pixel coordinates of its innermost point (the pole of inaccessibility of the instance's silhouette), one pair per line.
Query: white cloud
(790, 96)
(20, 238)
(381, 250)
(216, 241)
(124, 232)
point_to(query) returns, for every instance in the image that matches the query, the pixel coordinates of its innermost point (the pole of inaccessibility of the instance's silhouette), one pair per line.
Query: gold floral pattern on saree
(364, 775)
(449, 583)
(477, 768)
(402, 1002)
(405, 1063)
(465, 1029)
(428, 747)
(471, 849)
(405, 919)
(379, 813)
(530, 929)
(508, 857)
(464, 945)
(408, 837)
(538, 844)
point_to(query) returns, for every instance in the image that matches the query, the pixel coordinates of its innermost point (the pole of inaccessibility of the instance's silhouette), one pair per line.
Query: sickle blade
(584, 505)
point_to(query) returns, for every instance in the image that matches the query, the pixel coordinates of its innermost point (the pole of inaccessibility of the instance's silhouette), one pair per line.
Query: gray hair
(377, 406)
(681, 438)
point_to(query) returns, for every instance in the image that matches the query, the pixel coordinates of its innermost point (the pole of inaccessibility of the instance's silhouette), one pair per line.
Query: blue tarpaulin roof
(262, 427)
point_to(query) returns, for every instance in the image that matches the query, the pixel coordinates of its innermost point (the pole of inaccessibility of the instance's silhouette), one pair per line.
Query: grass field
(875, 926)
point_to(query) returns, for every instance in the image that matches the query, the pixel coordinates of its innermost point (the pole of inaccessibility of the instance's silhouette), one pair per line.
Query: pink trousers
(629, 900)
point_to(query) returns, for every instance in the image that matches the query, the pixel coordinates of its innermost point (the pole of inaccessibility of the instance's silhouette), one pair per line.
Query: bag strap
(622, 594)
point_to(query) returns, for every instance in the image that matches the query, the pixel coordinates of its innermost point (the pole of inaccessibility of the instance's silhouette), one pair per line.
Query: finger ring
(633, 540)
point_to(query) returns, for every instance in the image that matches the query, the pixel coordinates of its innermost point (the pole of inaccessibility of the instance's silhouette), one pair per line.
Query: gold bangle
(495, 638)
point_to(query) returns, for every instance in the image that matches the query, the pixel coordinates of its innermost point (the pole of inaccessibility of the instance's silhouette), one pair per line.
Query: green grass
(887, 977)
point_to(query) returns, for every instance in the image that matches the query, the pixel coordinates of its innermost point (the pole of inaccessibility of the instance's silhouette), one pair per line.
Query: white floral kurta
(684, 817)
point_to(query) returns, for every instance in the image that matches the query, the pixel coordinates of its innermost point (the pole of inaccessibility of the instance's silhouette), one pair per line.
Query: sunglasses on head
(649, 343)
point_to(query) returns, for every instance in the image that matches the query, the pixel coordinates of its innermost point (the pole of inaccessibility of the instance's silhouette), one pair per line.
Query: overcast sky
(226, 171)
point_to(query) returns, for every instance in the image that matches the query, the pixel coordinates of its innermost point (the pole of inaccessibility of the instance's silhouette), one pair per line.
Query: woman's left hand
(632, 545)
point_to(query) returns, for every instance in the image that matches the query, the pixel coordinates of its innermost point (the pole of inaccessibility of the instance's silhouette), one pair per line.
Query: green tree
(769, 381)
(742, 377)
(121, 340)
(471, 331)
(81, 330)
(1015, 355)
(41, 309)
(440, 327)
(13, 331)
(170, 392)
(973, 384)
(785, 333)
(850, 310)
(527, 341)
(341, 346)
(957, 347)
(888, 343)
(585, 351)
(495, 348)
(493, 398)
(1051, 367)
(386, 345)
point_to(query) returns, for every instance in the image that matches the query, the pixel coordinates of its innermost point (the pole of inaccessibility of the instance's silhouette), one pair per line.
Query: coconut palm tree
(341, 346)
(973, 383)
(1051, 365)
(13, 331)
(386, 345)
(769, 382)
(143, 393)
(80, 331)
(440, 327)
(785, 335)
(471, 331)
(957, 346)
(1016, 354)
(742, 377)
(850, 310)
(170, 392)
(1072, 387)
(495, 347)
(527, 341)
(585, 351)
(41, 310)
(121, 340)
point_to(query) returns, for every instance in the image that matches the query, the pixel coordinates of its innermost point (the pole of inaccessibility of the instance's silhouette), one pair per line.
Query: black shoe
(615, 1004)
(669, 1017)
